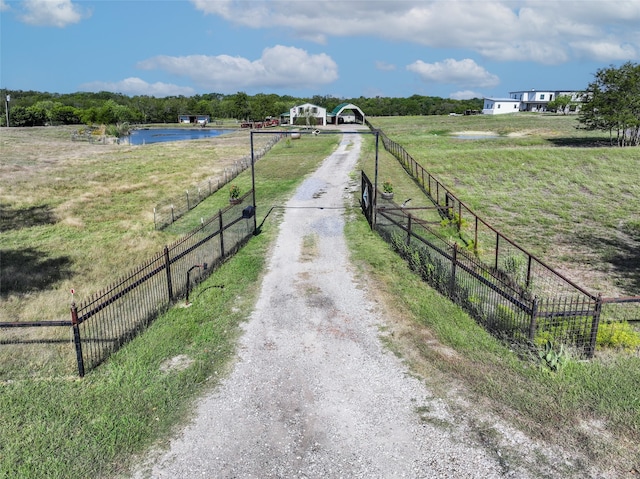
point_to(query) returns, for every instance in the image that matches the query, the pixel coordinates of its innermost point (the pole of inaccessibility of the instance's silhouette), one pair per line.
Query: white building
(499, 106)
(308, 110)
(538, 100)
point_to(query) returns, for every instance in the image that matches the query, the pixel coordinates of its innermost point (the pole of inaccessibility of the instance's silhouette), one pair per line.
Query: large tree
(612, 103)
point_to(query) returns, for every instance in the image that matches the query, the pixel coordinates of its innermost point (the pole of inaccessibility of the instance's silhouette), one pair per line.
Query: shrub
(234, 192)
(619, 335)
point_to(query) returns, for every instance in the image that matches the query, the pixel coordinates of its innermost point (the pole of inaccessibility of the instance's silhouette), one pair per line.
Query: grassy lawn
(561, 193)
(59, 426)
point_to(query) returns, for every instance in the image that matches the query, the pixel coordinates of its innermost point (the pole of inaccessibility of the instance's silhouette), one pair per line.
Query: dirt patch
(177, 363)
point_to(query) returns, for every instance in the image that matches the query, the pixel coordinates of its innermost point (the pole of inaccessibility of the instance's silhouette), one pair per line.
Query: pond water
(158, 135)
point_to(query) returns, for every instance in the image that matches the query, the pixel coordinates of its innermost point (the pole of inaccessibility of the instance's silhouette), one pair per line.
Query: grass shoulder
(589, 407)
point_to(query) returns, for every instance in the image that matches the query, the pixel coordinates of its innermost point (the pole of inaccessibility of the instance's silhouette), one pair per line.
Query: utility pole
(8, 100)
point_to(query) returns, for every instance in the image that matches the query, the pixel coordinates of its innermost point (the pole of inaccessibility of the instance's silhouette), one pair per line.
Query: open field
(65, 205)
(68, 206)
(58, 426)
(561, 193)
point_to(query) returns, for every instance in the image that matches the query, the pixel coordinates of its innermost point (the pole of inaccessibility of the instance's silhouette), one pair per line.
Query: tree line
(32, 108)
(611, 102)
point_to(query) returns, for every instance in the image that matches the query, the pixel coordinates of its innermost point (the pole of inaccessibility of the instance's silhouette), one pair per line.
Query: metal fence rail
(167, 212)
(501, 305)
(102, 323)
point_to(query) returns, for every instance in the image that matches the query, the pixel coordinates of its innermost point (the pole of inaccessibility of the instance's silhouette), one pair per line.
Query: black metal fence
(108, 319)
(167, 212)
(498, 303)
(508, 290)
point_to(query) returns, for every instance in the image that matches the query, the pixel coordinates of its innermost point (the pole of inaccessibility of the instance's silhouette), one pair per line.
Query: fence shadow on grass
(622, 252)
(18, 218)
(28, 269)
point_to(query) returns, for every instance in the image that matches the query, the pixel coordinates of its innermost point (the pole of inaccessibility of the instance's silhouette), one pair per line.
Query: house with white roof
(530, 100)
(499, 106)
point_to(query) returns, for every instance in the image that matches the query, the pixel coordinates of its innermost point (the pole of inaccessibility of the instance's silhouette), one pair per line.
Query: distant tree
(111, 113)
(241, 106)
(561, 104)
(21, 116)
(65, 115)
(262, 106)
(612, 103)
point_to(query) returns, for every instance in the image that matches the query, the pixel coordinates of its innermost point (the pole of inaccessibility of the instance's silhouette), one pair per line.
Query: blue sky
(342, 48)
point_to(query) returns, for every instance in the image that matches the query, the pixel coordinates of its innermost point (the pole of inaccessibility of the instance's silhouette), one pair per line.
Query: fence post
(528, 282)
(475, 238)
(454, 263)
(594, 327)
(188, 205)
(409, 229)
(76, 339)
(533, 323)
(167, 267)
(221, 234)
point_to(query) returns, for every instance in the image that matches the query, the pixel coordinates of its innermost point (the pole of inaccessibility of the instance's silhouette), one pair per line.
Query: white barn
(308, 110)
(499, 106)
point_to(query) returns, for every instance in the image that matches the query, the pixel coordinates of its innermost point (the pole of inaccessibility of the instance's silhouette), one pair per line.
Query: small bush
(553, 359)
(618, 335)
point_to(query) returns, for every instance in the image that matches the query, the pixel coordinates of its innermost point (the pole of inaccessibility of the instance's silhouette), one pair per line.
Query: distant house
(499, 106)
(530, 100)
(538, 100)
(197, 119)
(298, 115)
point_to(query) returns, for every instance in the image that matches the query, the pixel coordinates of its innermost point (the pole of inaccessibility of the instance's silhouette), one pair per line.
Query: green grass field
(60, 426)
(559, 192)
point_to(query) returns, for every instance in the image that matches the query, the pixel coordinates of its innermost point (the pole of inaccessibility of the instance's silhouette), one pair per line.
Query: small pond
(158, 135)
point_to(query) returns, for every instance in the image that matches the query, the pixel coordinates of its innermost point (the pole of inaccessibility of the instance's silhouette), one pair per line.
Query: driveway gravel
(313, 393)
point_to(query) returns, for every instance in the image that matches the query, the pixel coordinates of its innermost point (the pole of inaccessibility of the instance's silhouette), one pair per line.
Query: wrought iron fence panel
(111, 317)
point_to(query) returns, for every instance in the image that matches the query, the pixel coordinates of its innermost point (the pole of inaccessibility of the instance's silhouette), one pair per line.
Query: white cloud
(279, 67)
(503, 30)
(136, 86)
(605, 50)
(463, 72)
(465, 95)
(384, 66)
(52, 13)
(4, 6)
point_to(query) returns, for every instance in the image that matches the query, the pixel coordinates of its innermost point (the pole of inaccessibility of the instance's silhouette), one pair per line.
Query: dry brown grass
(77, 203)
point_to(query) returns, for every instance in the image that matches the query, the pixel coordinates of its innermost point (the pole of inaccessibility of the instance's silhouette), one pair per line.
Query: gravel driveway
(313, 392)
